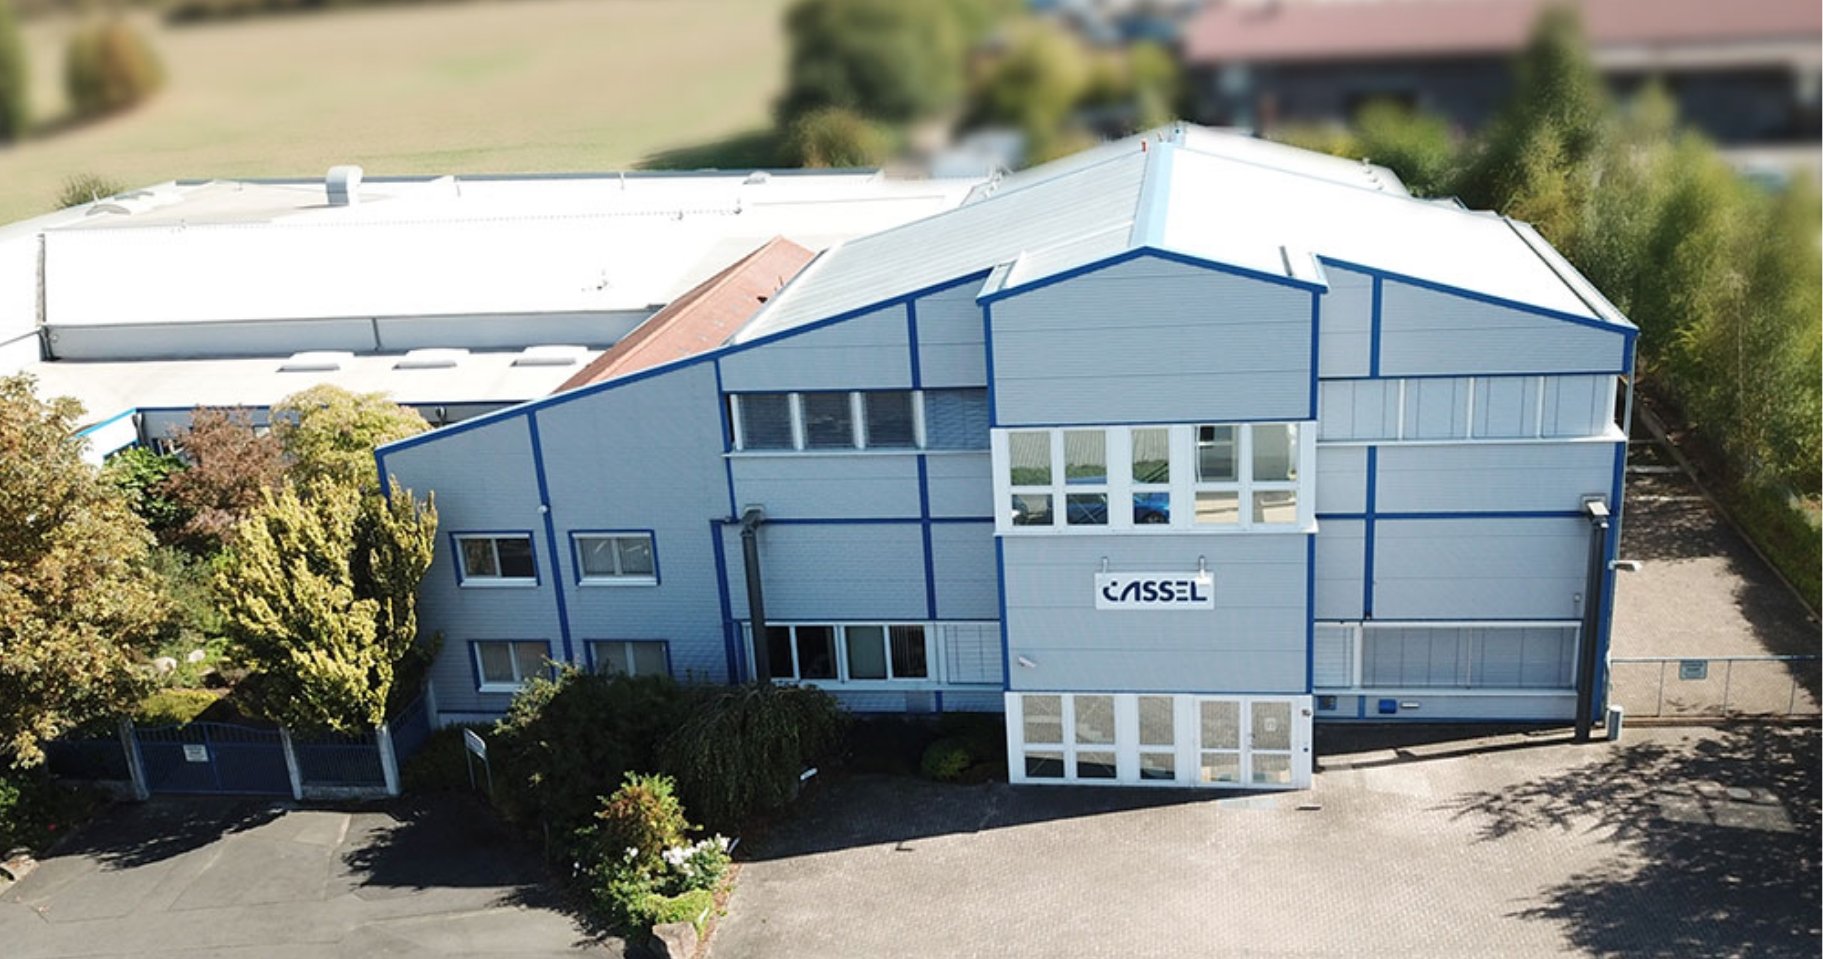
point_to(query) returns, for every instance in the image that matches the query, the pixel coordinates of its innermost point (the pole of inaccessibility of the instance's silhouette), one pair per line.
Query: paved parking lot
(232, 879)
(1695, 842)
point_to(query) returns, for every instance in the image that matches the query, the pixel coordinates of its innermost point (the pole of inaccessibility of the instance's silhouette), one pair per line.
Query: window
(618, 559)
(1042, 719)
(1429, 656)
(620, 657)
(1275, 473)
(873, 420)
(855, 652)
(505, 665)
(1085, 477)
(1151, 476)
(1029, 461)
(1218, 477)
(496, 559)
(1157, 738)
(1094, 726)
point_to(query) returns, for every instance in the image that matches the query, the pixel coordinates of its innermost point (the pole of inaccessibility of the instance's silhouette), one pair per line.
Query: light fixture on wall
(1027, 663)
(1202, 565)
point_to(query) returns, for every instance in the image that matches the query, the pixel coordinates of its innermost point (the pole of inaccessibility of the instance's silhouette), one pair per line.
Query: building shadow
(140, 834)
(1716, 844)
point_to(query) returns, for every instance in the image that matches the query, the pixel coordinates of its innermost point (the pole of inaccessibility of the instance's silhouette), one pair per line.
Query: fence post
(430, 707)
(389, 760)
(291, 765)
(136, 764)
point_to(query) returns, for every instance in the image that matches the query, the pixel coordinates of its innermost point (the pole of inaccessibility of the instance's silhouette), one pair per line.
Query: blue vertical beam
(987, 342)
(930, 560)
(1316, 313)
(1367, 541)
(721, 403)
(1373, 339)
(1006, 647)
(730, 649)
(550, 537)
(911, 338)
(1310, 612)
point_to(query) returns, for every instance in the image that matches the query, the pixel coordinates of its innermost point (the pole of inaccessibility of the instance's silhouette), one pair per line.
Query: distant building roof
(1379, 29)
(702, 318)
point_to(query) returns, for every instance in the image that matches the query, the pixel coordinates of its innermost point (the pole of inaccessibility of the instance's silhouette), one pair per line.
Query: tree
(15, 99)
(110, 66)
(77, 604)
(319, 599)
(1035, 86)
(834, 137)
(887, 60)
(141, 474)
(230, 467)
(1158, 84)
(1416, 145)
(330, 434)
(86, 188)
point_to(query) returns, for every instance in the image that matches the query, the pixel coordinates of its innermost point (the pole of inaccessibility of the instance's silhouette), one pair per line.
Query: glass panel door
(1220, 743)
(1269, 742)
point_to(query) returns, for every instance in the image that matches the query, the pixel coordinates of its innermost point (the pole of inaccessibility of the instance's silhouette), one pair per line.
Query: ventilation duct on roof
(550, 356)
(344, 185)
(430, 359)
(315, 361)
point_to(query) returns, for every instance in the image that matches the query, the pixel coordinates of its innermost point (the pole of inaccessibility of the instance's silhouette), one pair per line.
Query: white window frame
(1357, 641)
(1186, 749)
(585, 578)
(595, 658)
(467, 578)
(933, 652)
(485, 685)
(859, 443)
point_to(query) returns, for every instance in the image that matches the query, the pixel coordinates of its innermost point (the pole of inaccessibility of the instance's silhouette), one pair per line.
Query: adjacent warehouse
(1167, 450)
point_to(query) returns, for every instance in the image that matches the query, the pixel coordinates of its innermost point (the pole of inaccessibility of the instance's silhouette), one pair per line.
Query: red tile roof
(1376, 29)
(702, 318)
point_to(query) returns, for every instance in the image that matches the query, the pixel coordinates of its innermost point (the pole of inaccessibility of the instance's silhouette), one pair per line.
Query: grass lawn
(530, 85)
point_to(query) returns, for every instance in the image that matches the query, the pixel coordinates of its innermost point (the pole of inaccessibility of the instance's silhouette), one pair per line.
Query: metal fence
(213, 758)
(411, 728)
(1715, 686)
(339, 761)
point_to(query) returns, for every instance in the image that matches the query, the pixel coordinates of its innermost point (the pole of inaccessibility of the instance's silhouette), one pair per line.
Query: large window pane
(829, 421)
(596, 554)
(1271, 726)
(1275, 453)
(1029, 455)
(1151, 509)
(1218, 508)
(529, 659)
(1085, 457)
(866, 651)
(889, 420)
(1031, 509)
(778, 652)
(1095, 765)
(496, 662)
(1043, 719)
(1221, 725)
(1221, 767)
(955, 419)
(1094, 720)
(1087, 509)
(1275, 506)
(1155, 721)
(1152, 456)
(478, 558)
(766, 421)
(1271, 770)
(1157, 766)
(1044, 764)
(1215, 455)
(909, 657)
(635, 555)
(515, 554)
(649, 659)
(816, 652)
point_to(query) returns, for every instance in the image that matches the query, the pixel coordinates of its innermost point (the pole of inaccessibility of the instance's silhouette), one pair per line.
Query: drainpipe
(756, 595)
(1593, 591)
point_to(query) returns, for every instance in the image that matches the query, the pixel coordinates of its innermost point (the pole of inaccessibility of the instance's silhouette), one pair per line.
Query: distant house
(1743, 71)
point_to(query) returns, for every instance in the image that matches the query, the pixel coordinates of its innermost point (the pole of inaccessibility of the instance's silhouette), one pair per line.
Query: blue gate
(214, 758)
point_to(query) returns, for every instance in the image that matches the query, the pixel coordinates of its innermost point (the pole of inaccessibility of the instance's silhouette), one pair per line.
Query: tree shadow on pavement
(1716, 844)
(446, 840)
(140, 834)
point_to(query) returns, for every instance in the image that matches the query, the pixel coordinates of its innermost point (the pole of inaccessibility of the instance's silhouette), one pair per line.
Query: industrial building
(1167, 450)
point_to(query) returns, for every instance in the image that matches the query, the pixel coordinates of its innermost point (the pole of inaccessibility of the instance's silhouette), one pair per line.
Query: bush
(35, 811)
(691, 906)
(885, 59)
(174, 707)
(946, 760)
(87, 188)
(440, 765)
(641, 870)
(740, 751)
(568, 741)
(110, 66)
(640, 822)
(835, 137)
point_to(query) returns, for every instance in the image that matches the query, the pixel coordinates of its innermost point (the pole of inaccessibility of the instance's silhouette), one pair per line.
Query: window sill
(618, 581)
(1423, 691)
(773, 454)
(1155, 530)
(885, 685)
(499, 584)
(504, 689)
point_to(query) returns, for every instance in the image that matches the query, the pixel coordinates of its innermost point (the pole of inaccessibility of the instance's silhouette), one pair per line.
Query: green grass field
(522, 86)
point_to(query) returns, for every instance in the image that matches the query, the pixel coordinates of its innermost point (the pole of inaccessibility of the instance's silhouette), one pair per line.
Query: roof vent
(315, 361)
(550, 356)
(344, 185)
(430, 359)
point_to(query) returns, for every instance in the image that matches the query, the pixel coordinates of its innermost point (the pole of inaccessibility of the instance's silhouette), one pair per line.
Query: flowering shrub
(699, 865)
(639, 866)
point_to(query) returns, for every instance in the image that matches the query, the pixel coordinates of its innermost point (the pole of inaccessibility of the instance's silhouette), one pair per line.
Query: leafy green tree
(1633, 175)
(77, 605)
(834, 137)
(319, 595)
(231, 466)
(15, 99)
(1035, 86)
(1158, 85)
(110, 66)
(141, 472)
(1416, 145)
(330, 433)
(887, 60)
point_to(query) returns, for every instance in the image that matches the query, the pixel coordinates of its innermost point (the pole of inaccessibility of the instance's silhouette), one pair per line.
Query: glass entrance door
(1252, 742)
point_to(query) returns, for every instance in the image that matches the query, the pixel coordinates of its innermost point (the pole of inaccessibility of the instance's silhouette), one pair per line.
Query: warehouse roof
(1212, 196)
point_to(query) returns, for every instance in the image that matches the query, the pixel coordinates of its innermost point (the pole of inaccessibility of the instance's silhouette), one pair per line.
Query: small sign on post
(474, 747)
(1693, 669)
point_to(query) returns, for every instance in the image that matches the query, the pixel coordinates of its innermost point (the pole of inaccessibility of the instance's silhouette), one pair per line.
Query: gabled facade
(1166, 450)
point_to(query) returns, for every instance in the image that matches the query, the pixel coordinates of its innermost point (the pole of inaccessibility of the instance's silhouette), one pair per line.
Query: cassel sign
(1154, 591)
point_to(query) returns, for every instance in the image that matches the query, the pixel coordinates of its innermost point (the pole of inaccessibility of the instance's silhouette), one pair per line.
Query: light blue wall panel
(1506, 406)
(1437, 409)
(1578, 405)
(1341, 479)
(1358, 410)
(868, 352)
(836, 486)
(1345, 333)
(1492, 477)
(1254, 640)
(609, 466)
(1150, 340)
(1479, 568)
(1341, 566)
(951, 351)
(827, 571)
(963, 561)
(961, 484)
(1427, 332)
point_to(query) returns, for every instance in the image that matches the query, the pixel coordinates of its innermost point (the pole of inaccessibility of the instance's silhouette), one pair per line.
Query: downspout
(1593, 593)
(756, 594)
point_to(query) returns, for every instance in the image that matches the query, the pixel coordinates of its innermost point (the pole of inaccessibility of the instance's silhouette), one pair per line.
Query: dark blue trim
(1006, 641)
(721, 402)
(721, 592)
(1367, 554)
(939, 701)
(1479, 376)
(379, 465)
(1565, 621)
(1125, 256)
(1206, 421)
(1492, 514)
(911, 339)
(651, 534)
(1360, 707)
(550, 534)
(455, 552)
(1310, 612)
(1373, 340)
(930, 559)
(1351, 517)
(474, 661)
(1316, 322)
(987, 342)
(588, 652)
(867, 520)
(1629, 331)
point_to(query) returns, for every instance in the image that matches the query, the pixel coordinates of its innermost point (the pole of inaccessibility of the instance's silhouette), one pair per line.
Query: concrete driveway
(230, 879)
(1686, 842)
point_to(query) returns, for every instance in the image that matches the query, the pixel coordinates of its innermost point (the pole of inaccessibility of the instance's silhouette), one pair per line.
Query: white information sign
(196, 753)
(1154, 591)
